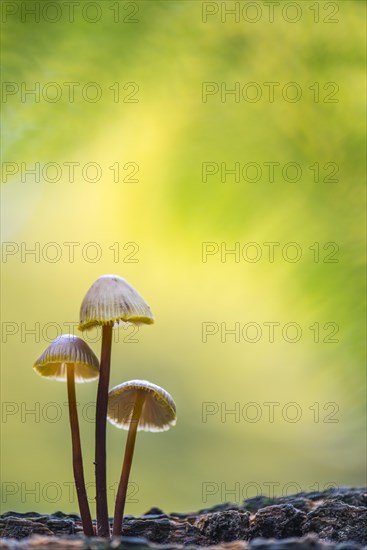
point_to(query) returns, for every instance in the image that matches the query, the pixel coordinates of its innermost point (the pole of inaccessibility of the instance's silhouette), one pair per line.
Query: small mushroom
(68, 358)
(109, 301)
(137, 405)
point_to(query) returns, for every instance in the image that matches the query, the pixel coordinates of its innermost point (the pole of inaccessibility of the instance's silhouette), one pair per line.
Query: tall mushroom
(137, 405)
(109, 301)
(68, 358)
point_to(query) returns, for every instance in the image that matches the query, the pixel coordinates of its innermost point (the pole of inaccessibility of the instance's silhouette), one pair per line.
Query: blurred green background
(169, 52)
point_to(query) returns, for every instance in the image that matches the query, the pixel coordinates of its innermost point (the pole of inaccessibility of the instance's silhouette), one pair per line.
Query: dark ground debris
(332, 520)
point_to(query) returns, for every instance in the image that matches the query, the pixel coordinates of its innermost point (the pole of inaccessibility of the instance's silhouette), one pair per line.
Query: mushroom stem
(103, 526)
(125, 472)
(77, 456)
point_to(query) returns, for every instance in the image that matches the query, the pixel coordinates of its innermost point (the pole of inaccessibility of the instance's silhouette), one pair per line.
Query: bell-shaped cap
(68, 350)
(158, 412)
(110, 300)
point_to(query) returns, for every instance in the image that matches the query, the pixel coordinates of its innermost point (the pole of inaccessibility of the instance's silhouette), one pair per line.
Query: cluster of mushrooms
(134, 405)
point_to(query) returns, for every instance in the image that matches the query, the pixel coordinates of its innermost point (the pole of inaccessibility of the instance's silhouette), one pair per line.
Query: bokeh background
(169, 212)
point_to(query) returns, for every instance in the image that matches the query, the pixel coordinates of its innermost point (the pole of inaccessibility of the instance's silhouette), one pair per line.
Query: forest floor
(328, 520)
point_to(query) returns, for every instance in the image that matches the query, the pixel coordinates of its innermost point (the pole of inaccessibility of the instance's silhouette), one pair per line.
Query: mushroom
(137, 405)
(109, 301)
(68, 358)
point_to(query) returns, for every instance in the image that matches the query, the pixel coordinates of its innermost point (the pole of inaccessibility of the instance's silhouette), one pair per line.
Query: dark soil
(334, 519)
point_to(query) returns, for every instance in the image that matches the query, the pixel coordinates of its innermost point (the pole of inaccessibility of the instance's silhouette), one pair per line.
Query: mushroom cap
(110, 300)
(158, 412)
(65, 350)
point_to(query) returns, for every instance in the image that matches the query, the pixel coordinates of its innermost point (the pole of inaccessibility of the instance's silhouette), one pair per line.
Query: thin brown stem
(103, 526)
(77, 456)
(125, 472)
